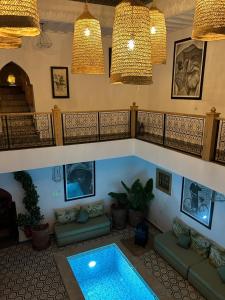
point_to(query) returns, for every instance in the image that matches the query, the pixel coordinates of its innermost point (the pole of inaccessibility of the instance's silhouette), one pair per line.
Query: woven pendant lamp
(87, 56)
(9, 42)
(131, 45)
(158, 36)
(19, 17)
(209, 20)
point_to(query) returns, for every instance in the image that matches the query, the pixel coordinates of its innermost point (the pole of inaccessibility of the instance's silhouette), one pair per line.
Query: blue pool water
(106, 274)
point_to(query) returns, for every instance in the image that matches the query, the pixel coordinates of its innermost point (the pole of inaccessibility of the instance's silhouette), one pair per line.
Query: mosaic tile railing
(86, 127)
(80, 127)
(26, 130)
(184, 133)
(114, 125)
(181, 132)
(220, 148)
(150, 126)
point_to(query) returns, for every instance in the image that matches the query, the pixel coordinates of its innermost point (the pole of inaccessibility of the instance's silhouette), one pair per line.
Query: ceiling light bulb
(153, 30)
(131, 45)
(87, 32)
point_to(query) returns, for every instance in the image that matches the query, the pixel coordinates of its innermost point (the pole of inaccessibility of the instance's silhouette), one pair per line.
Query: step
(14, 109)
(12, 97)
(10, 90)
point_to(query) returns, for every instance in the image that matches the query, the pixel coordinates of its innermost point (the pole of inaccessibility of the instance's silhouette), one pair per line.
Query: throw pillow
(221, 271)
(217, 256)
(66, 215)
(200, 244)
(82, 216)
(95, 209)
(184, 241)
(180, 228)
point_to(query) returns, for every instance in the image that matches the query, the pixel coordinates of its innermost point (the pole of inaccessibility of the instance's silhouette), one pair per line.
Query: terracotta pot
(40, 237)
(27, 231)
(119, 217)
(135, 217)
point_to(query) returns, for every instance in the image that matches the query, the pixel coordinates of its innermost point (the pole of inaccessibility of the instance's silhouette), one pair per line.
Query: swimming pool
(106, 274)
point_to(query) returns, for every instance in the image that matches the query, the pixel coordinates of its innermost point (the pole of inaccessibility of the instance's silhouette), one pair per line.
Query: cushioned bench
(74, 232)
(198, 263)
(179, 258)
(206, 279)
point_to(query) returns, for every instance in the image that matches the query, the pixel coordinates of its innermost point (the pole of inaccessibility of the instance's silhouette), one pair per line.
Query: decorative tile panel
(150, 126)
(184, 133)
(220, 149)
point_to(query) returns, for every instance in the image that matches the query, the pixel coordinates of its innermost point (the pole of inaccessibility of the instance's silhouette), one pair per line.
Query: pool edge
(71, 285)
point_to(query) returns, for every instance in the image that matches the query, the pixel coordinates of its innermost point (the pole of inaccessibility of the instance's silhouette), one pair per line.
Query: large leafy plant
(33, 215)
(137, 196)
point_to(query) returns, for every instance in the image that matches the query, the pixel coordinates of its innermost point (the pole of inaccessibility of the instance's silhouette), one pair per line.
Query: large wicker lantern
(209, 20)
(10, 42)
(87, 57)
(131, 45)
(158, 36)
(19, 17)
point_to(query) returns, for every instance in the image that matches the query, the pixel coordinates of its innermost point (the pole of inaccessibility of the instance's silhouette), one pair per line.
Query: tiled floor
(28, 274)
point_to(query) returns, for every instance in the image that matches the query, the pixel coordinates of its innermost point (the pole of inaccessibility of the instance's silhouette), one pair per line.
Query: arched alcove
(16, 90)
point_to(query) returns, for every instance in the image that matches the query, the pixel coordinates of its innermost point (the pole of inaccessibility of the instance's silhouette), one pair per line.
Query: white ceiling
(59, 15)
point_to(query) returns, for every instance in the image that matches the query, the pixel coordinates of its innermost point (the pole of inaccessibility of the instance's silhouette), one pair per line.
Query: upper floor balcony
(199, 135)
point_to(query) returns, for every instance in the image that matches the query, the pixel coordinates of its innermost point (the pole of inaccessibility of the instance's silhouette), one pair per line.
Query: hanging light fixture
(131, 45)
(10, 42)
(158, 36)
(209, 20)
(87, 56)
(43, 40)
(19, 17)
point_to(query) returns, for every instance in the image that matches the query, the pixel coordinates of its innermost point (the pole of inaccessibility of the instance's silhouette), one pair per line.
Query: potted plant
(119, 210)
(138, 197)
(30, 222)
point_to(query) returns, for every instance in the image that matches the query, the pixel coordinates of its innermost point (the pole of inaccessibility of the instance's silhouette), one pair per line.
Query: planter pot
(27, 231)
(40, 237)
(135, 217)
(119, 217)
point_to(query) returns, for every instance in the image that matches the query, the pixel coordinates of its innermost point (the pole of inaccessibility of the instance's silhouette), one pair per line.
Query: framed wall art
(197, 202)
(60, 82)
(188, 69)
(163, 181)
(79, 180)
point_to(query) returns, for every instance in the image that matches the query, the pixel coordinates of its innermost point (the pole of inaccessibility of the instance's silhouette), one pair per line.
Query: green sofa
(181, 259)
(68, 230)
(197, 269)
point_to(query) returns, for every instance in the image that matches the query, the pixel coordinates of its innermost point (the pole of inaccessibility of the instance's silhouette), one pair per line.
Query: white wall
(109, 173)
(87, 92)
(213, 85)
(164, 208)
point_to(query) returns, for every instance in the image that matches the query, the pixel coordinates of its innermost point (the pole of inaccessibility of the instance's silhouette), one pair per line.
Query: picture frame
(79, 180)
(188, 69)
(60, 82)
(197, 202)
(163, 181)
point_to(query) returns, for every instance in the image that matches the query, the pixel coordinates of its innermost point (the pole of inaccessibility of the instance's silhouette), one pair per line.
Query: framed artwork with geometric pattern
(197, 202)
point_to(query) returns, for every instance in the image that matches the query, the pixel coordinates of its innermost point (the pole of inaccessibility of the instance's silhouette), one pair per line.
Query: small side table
(141, 234)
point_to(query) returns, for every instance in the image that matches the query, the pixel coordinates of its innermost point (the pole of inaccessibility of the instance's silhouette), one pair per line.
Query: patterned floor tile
(32, 275)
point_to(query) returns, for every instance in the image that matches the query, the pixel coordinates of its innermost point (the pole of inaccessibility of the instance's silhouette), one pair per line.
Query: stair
(12, 100)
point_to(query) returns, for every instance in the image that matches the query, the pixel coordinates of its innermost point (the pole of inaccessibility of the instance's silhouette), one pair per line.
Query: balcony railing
(86, 127)
(220, 147)
(200, 135)
(26, 130)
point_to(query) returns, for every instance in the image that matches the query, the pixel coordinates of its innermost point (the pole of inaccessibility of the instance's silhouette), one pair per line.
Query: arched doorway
(16, 91)
(8, 220)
